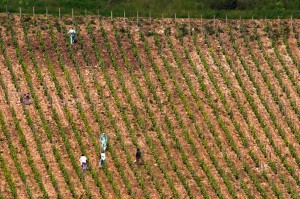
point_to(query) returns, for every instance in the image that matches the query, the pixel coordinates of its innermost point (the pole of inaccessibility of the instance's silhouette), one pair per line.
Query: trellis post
(150, 16)
(201, 22)
(111, 15)
(124, 17)
(20, 12)
(189, 23)
(59, 13)
(46, 12)
(72, 13)
(33, 11)
(214, 21)
(175, 17)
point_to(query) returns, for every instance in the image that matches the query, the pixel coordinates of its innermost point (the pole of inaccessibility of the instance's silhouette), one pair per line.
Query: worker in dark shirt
(138, 156)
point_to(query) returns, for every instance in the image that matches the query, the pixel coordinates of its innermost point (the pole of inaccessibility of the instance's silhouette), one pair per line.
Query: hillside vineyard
(213, 106)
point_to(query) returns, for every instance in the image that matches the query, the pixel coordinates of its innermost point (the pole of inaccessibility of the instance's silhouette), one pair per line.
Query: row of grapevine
(186, 105)
(214, 109)
(134, 108)
(156, 98)
(57, 120)
(92, 105)
(125, 118)
(242, 111)
(254, 107)
(204, 89)
(83, 117)
(249, 49)
(283, 87)
(41, 114)
(129, 99)
(277, 150)
(228, 109)
(6, 171)
(18, 129)
(251, 154)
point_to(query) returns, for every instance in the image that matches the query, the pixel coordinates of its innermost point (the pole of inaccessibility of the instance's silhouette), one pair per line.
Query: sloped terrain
(213, 106)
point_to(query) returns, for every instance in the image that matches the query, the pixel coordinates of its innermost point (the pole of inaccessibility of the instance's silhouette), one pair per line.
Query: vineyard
(214, 106)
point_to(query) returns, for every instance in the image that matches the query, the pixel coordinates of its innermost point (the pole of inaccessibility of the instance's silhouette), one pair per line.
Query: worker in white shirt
(102, 159)
(72, 34)
(83, 160)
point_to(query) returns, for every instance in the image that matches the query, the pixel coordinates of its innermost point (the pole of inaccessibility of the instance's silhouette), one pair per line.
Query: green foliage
(209, 29)
(249, 98)
(182, 30)
(220, 118)
(223, 4)
(167, 31)
(196, 8)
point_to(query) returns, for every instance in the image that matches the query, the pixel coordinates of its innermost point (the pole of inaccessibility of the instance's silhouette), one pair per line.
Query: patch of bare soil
(213, 107)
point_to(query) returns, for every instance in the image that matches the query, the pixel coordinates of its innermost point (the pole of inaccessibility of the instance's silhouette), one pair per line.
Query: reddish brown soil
(258, 174)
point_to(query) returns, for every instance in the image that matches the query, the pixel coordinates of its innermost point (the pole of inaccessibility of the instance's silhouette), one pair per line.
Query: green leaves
(250, 99)
(146, 101)
(117, 101)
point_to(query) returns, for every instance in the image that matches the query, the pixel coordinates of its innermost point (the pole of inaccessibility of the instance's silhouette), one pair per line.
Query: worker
(72, 34)
(103, 140)
(138, 155)
(83, 162)
(28, 101)
(102, 159)
(25, 99)
(28, 96)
